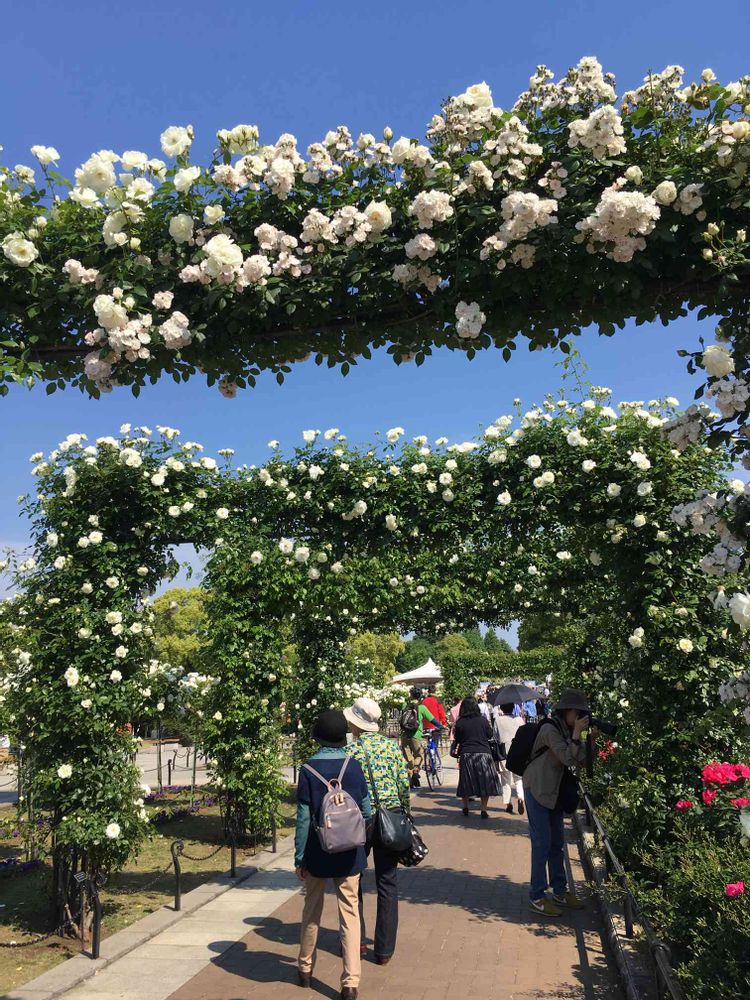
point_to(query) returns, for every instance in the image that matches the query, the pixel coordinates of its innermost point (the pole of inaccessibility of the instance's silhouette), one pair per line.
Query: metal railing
(666, 984)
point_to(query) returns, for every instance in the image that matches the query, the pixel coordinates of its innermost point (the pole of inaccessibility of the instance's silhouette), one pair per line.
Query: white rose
(302, 554)
(390, 522)
(533, 461)
(112, 582)
(213, 214)
(717, 361)
(185, 178)
(71, 677)
(181, 228)
(665, 193)
(86, 588)
(379, 216)
(176, 140)
(222, 513)
(19, 250)
(613, 490)
(256, 558)
(504, 498)
(739, 608)
(64, 771)
(685, 645)
(112, 831)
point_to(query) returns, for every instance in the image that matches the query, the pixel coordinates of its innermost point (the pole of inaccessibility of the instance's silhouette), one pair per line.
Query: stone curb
(77, 970)
(637, 975)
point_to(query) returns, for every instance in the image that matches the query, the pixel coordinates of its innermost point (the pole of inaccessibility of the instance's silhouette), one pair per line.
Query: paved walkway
(465, 930)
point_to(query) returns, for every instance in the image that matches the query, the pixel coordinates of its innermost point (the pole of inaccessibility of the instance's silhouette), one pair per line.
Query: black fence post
(273, 834)
(233, 855)
(627, 908)
(96, 932)
(169, 772)
(176, 849)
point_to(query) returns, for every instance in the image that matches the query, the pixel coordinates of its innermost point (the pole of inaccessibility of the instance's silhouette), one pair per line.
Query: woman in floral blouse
(382, 756)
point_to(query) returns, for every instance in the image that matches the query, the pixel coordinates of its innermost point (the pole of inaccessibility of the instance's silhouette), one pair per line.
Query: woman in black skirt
(477, 773)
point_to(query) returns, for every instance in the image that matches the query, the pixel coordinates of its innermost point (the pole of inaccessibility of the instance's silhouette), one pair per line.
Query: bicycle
(433, 764)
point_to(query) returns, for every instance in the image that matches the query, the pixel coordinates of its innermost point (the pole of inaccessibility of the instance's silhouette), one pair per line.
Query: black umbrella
(517, 693)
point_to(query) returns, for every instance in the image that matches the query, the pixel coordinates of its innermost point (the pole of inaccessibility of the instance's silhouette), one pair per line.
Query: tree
(473, 637)
(416, 651)
(179, 624)
(382, 650)
(494, 644)
(541, 630)
(450, 645)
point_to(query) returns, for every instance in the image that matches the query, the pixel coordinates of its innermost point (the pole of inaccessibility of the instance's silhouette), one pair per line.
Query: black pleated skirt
(477, 776)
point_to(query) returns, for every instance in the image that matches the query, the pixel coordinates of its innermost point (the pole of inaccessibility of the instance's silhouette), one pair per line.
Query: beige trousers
(413, 751)
(347, 890)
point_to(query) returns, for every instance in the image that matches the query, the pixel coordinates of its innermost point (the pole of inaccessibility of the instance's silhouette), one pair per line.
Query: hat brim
(359, 722)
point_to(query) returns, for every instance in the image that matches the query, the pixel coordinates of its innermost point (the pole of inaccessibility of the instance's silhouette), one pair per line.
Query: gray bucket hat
(572, 698)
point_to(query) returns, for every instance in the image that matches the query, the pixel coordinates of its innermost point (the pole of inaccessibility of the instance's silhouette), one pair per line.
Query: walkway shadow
(259, 967)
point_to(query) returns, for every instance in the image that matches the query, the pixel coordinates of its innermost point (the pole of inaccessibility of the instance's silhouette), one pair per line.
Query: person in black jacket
(477, 774)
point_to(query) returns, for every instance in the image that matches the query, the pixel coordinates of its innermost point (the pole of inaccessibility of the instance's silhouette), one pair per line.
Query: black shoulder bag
(392, 828)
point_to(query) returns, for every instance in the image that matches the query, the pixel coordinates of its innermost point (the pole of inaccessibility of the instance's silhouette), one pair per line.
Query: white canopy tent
(428, 673)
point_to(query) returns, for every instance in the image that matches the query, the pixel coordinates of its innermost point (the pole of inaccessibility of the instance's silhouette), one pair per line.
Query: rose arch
(574, 207)
(576, 510)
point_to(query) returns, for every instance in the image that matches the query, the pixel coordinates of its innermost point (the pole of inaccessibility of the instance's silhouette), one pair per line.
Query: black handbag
(497, 749)
(391, 829)
(417, 850)
(568, 794)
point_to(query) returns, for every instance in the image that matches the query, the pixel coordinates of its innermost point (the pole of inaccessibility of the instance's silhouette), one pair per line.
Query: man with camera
(551, 791)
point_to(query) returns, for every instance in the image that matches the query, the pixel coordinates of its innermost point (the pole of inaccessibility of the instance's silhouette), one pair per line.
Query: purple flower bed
(12, 866)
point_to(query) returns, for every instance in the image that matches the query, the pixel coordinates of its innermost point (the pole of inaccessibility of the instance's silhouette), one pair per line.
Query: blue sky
(84, 76)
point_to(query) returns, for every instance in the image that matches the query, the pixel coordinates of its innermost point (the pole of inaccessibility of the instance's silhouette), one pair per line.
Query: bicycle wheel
(438, 768)
(429, 770)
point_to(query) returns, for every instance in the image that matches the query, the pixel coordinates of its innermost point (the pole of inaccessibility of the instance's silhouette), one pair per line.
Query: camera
(608, 728)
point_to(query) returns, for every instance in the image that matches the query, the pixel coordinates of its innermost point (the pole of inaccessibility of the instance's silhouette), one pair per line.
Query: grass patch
(128, 895)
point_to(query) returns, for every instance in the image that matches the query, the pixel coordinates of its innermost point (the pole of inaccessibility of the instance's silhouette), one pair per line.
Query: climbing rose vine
(575, 206)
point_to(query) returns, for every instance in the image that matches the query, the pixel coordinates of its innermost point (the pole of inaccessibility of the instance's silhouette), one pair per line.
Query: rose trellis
(571, 511)
(573, 207)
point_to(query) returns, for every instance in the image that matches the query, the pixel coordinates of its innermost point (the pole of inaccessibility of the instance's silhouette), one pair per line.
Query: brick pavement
(465, 928)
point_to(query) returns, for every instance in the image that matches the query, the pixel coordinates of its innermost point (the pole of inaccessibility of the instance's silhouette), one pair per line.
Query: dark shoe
(465, 812)
(363, 951)
(349, 993)
(521, 807)
(485, 815)
(304, 979)
(509, 807)
(383, 959)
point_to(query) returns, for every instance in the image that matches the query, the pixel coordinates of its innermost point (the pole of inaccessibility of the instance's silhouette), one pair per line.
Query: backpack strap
(344, 766)
(306, 767)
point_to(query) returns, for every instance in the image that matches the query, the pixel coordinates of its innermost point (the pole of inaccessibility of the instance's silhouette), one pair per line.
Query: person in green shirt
(411, 740)
(387, 778)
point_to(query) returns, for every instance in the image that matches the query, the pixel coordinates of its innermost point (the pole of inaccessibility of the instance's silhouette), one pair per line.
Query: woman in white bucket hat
(384, 766)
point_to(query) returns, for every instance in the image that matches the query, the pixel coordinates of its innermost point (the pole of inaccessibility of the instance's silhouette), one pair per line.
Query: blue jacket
(308, 853)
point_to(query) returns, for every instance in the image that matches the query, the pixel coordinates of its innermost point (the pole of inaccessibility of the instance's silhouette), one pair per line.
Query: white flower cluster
(620, 221)
(601, 133)
(731, 395)
(469, 320)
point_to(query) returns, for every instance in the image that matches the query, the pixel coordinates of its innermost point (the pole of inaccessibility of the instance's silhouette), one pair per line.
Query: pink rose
(734, 889)
(709, 796)
(683, 804)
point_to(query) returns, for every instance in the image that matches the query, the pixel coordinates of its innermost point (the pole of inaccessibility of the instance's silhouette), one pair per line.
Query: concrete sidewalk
(465, 929)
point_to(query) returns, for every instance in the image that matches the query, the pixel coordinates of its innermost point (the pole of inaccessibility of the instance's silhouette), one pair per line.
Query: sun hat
(330, 728)
(572, 698)
(364, 714)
